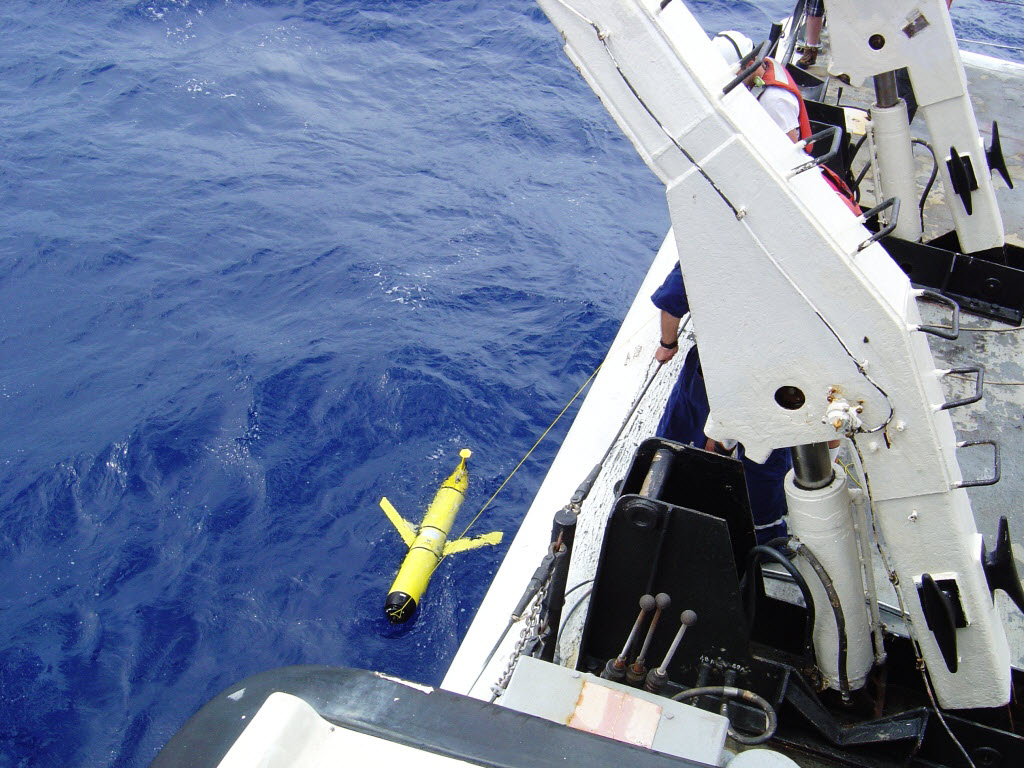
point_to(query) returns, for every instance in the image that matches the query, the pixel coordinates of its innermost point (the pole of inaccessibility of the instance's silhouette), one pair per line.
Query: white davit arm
(871, 37)
(792, 303)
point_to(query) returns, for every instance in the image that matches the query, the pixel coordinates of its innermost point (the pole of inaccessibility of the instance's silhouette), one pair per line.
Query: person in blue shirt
(687, 412)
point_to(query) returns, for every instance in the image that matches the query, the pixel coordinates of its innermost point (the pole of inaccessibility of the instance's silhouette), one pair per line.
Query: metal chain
(530, 631)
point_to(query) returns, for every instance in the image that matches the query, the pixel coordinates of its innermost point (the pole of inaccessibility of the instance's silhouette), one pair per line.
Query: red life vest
(777, 77)
(833, 180)
(785, 82)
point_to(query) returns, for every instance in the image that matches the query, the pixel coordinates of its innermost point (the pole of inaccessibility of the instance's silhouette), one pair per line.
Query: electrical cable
(750, 697)
(849, 473)
(581, 584)
(931, 179)
(604, 41)
(565, 619)
(861, 366)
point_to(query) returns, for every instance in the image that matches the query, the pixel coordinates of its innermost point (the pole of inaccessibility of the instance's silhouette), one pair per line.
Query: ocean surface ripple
(263, 263)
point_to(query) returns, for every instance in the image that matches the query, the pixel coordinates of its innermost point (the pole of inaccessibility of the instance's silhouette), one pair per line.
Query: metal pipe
(860, 524)
(886, 94)
(897, 172)
(657, 474)
(823, 521)
(812, 467)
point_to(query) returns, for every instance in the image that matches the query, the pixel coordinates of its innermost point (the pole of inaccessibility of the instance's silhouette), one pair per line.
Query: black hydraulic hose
(864, 171)
(750, 697)
(837, 609)
(931, 179)
(768, 551)
(858, 180)
(568, 616)
(856, 148)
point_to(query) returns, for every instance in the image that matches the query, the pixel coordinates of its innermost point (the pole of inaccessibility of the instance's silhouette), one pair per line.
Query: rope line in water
(1000, 2)
(529, 452)
(995, 45)
(641, 327)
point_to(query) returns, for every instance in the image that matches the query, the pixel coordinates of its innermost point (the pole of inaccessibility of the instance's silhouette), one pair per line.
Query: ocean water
(262, 263)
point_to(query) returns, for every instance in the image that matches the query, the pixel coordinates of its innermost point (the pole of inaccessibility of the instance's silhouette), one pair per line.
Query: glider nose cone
(399, 607)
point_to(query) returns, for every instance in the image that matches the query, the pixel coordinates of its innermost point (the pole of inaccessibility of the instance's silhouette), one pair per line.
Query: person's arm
(669, 334)
(671, 299)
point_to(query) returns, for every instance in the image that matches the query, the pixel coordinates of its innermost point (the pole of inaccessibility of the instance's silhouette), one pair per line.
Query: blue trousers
(683, 422)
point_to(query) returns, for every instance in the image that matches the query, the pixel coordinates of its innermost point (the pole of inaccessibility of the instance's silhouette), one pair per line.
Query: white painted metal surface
(288, 733)
(626, 714)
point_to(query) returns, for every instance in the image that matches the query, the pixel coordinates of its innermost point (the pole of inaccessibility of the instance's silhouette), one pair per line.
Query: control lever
(657, 678)
(615, 669)
(1000, 567)
(637, 671)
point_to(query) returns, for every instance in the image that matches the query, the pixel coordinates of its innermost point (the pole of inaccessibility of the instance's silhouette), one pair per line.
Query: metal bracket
(994, 155)
(943, 332)
(837, 136)
(978, 386)
(996, 470)
(760, 54)
(892, 202)
(962, 178)
(989, 284)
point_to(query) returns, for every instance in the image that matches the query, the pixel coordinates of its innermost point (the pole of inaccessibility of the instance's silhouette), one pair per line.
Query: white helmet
(733, 46)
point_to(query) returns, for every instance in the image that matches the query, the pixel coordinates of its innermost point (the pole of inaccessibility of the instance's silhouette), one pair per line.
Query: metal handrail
(951, 331)
(892, 202)
(996, 469)
(978, 386)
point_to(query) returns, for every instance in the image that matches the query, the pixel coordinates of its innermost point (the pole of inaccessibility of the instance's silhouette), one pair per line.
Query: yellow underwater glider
(429, 545)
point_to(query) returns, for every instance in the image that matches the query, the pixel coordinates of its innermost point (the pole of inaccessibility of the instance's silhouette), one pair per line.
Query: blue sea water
(262, 263)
